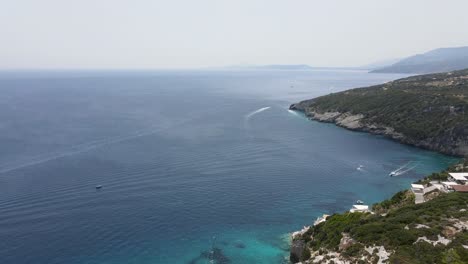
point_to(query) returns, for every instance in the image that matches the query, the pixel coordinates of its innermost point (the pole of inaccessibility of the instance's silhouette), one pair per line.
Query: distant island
(271, 67)
(427, 111)
(304, 67)
(438, 60)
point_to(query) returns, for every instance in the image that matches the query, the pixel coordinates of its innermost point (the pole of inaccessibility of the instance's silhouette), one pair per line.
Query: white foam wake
(248, 116)
(400, 172)
(85, 147)
(403, 169)
(74, 150)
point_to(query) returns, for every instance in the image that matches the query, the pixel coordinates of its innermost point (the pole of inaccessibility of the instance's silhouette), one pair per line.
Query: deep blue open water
(188, 160)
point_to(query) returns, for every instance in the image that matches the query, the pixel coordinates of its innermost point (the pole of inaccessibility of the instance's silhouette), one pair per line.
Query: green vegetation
(397, 230)
(305, 254)
(428, 110)
(329, 235)
(400, 199)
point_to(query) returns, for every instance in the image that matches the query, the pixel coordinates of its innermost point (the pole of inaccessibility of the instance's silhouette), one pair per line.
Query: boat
(359, 202)
(393, 173)
(98, 187)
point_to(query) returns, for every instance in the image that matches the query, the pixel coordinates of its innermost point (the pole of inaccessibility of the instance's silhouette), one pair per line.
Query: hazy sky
(200, 33)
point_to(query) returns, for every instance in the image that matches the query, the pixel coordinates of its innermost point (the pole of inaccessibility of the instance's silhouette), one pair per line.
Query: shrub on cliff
(397, 230)
(400, 199)
(328, 234)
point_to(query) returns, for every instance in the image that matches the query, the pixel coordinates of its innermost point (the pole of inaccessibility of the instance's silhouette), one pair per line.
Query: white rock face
(328, 258)
(440, 239)
(350, 121)
(382, 253)
(327, 116)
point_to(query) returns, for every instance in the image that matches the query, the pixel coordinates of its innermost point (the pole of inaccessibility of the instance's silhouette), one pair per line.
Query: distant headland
(427, 111)
(438, 60)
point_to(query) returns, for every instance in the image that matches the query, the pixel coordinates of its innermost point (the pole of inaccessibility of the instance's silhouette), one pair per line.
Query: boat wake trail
(251, 114)
(72, 151)
(81, 148)
(248, 116)
(293, 112)
(403, 169)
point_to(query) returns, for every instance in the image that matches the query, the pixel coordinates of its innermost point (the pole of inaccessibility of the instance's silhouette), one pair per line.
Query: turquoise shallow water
(188, 161)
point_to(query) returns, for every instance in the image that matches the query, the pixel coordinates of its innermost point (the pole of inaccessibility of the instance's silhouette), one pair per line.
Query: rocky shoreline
(355, 122)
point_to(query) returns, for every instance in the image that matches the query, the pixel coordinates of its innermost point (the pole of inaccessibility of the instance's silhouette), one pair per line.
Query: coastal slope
(426, 111)
(438, 60)
(433, 232)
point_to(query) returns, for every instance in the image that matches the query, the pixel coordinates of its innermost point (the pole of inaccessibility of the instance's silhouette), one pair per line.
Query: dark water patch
(239, 244)
(214, 255)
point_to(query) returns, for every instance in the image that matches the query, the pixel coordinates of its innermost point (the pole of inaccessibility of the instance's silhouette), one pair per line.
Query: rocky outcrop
(297, 248)
(345, 242)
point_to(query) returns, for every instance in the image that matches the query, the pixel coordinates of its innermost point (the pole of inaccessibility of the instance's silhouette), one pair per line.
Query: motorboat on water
(98, 187)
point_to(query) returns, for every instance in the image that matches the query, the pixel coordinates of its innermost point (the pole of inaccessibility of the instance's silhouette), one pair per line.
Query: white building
(361, 208)
(449, 185)
(459, 177)
(417, 188)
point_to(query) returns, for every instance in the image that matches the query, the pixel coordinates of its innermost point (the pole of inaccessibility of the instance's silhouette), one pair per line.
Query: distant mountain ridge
(438, 60)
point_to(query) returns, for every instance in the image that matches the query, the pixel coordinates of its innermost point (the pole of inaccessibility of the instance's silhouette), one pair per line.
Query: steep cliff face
(426, 111)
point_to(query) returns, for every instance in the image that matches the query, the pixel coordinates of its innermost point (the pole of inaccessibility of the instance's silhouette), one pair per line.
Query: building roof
(460, 188)
(461, 176)
(360, 207)
(417, 186)
(449, 183)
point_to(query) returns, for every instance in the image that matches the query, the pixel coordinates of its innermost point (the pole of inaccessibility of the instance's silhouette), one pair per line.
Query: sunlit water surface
(189, 161)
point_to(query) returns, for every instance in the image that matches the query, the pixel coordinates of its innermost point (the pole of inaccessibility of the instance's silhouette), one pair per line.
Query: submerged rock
(239, 244)
(215, 255)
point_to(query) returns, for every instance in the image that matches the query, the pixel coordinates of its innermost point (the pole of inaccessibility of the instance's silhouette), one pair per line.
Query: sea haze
(188, 160)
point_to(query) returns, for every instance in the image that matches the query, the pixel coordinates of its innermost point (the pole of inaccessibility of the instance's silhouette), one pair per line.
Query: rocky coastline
(425, 111)
(356, 122)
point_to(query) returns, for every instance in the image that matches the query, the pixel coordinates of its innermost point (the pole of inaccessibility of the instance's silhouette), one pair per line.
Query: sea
(195, 166)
